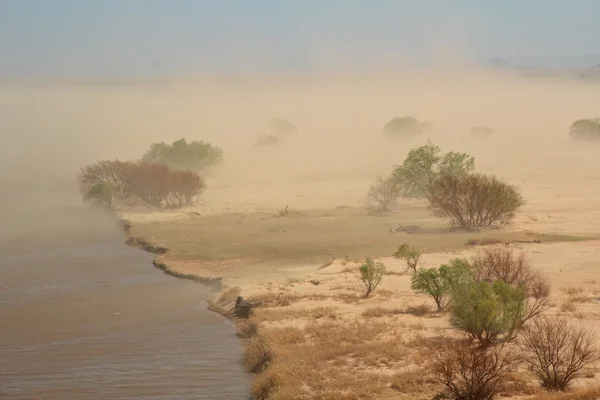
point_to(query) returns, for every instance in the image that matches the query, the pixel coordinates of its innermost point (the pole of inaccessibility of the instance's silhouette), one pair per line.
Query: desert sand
(327, 341)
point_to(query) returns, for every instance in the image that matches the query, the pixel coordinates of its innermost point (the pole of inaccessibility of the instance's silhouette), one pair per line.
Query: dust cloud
(51, 129)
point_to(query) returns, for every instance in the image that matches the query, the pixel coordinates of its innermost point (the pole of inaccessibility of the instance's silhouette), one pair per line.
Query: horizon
(148, 38)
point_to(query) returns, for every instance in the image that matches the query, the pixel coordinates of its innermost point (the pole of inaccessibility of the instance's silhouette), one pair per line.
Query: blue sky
(120, 37)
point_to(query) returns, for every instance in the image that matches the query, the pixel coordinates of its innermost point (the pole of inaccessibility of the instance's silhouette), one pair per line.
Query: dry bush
(591, 393)
(474, 200)
(247, 328)
(556, 352)
(419, 311)
(415, 381)
(270, 299)
(383, 194)
(469, 371)
(153, 184)
(257, 355)
(502, 263)
(378, 312)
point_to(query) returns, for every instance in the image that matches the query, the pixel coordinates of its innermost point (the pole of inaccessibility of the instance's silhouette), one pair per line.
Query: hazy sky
(108, 37)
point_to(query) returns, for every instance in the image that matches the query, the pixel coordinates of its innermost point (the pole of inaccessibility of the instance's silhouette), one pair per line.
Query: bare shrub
(185, 187)
(383, 193)
(474, 200)
(471, 372)
(556, 352)
(514, 268)
(370, 274)
(108, 173)
(153, 184)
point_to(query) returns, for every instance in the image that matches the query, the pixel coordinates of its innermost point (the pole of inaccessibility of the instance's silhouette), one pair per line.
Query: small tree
(383, 193)
(490, 313)
(471, 372)
(439, 282)
(370, 275)
(474, 200)
(194, 156)
(267, 140)
(404, 126)
(410, 254)
(99, 193)
(556, 352)
(423, 166)
(585, 129)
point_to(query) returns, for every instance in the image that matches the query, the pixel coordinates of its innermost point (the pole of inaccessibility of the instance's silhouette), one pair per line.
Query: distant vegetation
(423, 167)
(447, 181)
(481, 131)
(586, 129)
(405, 126)
(281, 127)
(267, 140)
(152, 184)
(193, 156)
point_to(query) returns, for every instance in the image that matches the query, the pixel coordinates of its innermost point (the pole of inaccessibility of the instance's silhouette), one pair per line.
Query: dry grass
(591, 393)
(269, 315)
(281, 299)
(419, 380)
(378, 312)
(301, 240)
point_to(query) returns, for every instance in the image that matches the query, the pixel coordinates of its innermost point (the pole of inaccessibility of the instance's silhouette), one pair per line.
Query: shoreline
(291, 302)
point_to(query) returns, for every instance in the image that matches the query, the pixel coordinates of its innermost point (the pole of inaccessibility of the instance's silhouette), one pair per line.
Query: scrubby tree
(474, 200)
(489, 313)
(556, 352)
(383, 194)
(471, 372)
(404, 126)
(409, 254)
(153, 184)
(370, 274)
(194, 156)
(585, 129)
(424, 166)
(439, 283)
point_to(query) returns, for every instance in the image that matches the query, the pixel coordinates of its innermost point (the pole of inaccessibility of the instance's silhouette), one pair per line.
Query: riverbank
(311, 325)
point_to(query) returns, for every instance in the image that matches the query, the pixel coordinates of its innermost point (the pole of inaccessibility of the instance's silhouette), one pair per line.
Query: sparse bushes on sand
(410, 254)
(439, 282)
(383, 194)
(424, 166)
(370, 274)
(474, 200)
(585, 129)
(469, 371)
(556, 352)
(503, 293)
(153, 184)
(193, 156)
(404, 126)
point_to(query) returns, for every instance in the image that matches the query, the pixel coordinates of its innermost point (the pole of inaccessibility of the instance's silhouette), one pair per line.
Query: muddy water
(83, 316)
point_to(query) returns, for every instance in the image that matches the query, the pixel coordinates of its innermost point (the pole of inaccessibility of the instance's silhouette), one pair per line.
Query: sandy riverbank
(323, 339)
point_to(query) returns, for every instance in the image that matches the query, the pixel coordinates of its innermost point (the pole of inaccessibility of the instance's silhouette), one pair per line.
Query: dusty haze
(52, 129)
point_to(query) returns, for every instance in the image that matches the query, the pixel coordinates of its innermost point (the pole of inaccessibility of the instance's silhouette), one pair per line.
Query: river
(83, 316)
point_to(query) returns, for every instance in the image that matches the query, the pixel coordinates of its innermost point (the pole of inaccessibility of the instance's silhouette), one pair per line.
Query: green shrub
(99, 193)
(490, 313)
(370, 274)
(194, 156)
(424, 165)
(410, 254)
(439, 282)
